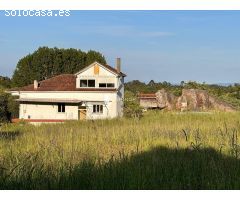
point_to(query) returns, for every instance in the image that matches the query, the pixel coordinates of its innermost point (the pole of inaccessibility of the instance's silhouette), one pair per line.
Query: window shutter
(96, 69)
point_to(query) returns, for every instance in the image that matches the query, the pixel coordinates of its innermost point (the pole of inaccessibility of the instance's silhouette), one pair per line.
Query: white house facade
(95, 92)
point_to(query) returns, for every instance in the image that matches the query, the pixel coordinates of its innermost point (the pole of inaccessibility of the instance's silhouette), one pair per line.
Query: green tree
(48, 62)
(131, 105)
(4, 114)
(5, 82)
(93, 56)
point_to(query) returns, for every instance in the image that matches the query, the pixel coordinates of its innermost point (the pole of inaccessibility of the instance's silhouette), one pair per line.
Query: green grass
(162, 150)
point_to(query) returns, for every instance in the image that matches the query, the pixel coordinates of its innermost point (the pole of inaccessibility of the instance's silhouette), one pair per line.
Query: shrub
(131, 106)
(4, 114)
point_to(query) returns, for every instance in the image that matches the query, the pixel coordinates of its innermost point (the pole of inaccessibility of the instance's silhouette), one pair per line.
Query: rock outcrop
(191, 100)
(201, 100)
(165, 99)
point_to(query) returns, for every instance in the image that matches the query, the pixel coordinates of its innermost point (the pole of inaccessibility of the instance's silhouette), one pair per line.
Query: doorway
(82, 113)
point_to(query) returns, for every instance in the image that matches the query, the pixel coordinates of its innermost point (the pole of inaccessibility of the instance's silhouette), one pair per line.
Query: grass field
(162, 150)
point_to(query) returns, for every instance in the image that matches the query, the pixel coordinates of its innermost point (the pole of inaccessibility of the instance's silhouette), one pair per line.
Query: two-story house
(95, 92)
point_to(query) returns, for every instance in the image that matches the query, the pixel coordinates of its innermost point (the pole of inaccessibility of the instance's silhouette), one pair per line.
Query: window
(97, 108)
(102, 85)
(106, 85)
(110, 84)
(91, 83)
(83, 83)
(87, 83)
(61, 107)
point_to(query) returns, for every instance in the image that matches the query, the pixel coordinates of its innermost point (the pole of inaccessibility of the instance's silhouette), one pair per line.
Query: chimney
(118, 65)
(35, 84)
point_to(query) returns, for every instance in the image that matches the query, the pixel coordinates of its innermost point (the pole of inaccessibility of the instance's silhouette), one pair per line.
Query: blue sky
(160, 45)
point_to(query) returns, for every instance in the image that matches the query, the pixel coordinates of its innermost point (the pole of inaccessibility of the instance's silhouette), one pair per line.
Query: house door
(82, 112)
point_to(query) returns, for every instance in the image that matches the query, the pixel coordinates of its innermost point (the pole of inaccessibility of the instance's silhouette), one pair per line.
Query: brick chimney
(118, 65)
(35, 84)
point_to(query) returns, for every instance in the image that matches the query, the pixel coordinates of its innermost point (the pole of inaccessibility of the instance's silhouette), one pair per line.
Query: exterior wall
(148, 103)
(104, 76)
(49, 110)
(120, 97)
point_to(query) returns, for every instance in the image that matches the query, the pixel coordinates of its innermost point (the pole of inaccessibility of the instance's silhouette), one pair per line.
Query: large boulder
(193, 99)
(165, 99)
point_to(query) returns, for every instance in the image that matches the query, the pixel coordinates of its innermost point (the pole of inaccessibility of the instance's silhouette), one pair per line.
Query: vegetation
(5, 82)
(48, 62)
(159, 151)
(8, 106)
(131, 106)
(230, 94)
(4, 114)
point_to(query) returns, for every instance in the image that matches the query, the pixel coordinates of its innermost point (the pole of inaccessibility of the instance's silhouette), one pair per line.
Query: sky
(171, 46)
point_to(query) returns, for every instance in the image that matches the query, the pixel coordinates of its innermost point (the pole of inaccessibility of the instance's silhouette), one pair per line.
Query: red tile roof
(64, 82)
(147, 95)
(113, 70)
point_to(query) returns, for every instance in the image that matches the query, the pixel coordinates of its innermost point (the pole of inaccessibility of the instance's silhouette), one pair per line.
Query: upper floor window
(87, 83)
(106, 85)
(61, 107)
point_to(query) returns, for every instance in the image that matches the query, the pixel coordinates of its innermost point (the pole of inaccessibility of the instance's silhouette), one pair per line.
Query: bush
(13, 106)
(131, 106)
(9, 108)
(4, 114)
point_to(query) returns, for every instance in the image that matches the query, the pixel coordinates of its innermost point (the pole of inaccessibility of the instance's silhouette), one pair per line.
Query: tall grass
(163, 150)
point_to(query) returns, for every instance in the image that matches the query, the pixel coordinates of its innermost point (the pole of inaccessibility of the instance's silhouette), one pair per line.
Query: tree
(151, 83)
(48, 62)
(4, 114)
(5, 82)
(93, 56)
(131, 106)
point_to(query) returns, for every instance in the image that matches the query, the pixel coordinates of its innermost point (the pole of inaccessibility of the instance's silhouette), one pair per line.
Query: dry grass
(159, 151)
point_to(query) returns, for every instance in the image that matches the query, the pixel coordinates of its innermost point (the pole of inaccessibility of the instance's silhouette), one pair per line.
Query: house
(148, 100)
(159, 100)
(95, 92)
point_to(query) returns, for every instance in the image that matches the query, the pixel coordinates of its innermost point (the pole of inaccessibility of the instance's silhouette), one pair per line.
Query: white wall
(104, 76)
(44, 111)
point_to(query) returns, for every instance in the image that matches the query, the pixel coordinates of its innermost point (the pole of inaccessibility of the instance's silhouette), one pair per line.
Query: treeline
(48, 62)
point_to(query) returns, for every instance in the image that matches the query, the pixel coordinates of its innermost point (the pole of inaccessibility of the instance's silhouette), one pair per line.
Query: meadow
(162, 150)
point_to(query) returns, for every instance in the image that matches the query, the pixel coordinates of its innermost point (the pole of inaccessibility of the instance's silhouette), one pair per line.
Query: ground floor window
(61, 107)
(97, 108)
